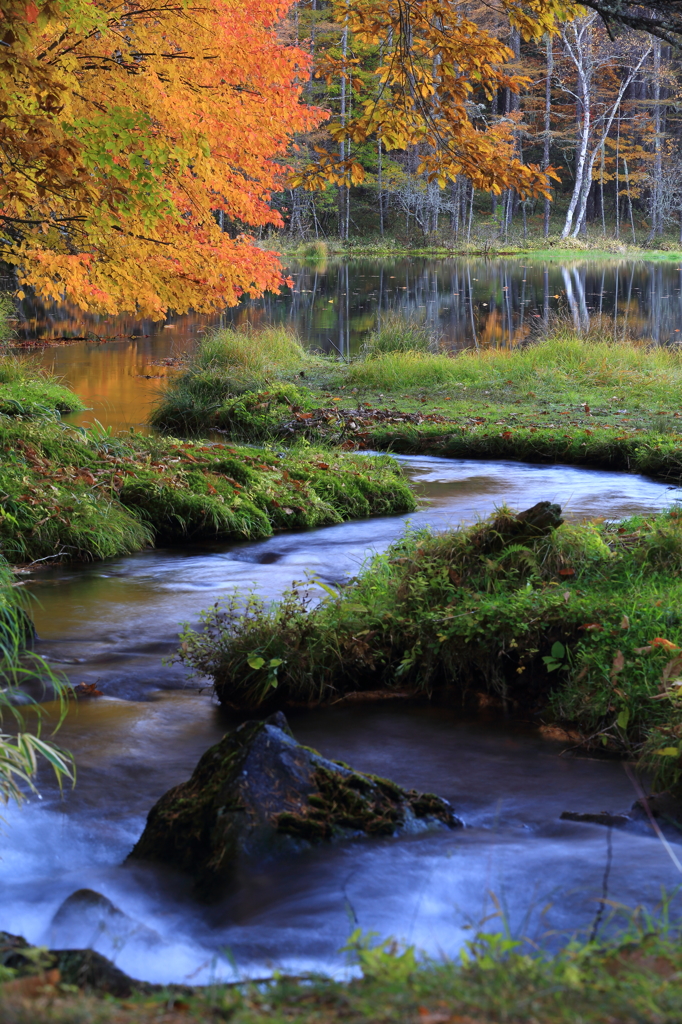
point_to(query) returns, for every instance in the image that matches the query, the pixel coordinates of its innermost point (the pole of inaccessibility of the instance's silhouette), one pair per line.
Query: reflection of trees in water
(466, 303)
(477, 302)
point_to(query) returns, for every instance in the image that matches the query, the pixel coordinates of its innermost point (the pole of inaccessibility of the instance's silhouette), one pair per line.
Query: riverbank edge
(72, 494)
(653, 455)
(540, 249)
(638, 977)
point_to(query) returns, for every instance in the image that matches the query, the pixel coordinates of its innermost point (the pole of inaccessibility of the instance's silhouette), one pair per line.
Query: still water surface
(334, 307)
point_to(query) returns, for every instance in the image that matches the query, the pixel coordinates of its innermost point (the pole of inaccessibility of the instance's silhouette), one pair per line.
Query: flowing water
(111, 623)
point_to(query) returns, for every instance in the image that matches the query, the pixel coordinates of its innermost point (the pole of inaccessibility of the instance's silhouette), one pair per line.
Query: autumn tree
(125, 128)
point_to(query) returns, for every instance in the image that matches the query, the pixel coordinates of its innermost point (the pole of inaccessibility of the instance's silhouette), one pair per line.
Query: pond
(118, 366)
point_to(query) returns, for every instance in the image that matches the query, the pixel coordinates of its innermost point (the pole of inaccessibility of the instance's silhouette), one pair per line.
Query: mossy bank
(635, 981)
(579, 624)
(564, 398)
(70, 493)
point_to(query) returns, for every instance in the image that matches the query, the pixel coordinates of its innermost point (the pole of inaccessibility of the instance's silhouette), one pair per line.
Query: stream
(112, 623)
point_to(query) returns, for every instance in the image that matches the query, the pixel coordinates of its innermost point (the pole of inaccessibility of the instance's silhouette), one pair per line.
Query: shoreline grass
(582, 400)
(28, 391)
(579, 624)
(75, 494)
(633, 980)
(535, 246)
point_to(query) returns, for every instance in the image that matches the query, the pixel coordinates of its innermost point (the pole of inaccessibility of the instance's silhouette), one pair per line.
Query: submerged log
(259, 794)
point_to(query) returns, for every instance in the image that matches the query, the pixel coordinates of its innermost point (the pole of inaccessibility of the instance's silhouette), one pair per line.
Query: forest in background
(601, 108)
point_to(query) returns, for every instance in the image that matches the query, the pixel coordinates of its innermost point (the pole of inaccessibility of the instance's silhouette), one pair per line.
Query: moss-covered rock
(83, 968)
(258, 794)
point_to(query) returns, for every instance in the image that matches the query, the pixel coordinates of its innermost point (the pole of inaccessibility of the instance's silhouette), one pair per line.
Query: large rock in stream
(258, 794)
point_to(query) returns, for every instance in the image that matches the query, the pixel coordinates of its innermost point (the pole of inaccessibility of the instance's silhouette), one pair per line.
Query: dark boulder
(517, 528)
(258, 794)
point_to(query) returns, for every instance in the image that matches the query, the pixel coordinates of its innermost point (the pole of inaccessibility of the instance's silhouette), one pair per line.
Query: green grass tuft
(399, 334)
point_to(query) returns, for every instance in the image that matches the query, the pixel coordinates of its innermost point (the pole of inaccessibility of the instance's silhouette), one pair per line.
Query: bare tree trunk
(471, 212)
(548, 107)
(656, 218)
(627, 185)
(616, 179)
(343, 189)
(380, 183)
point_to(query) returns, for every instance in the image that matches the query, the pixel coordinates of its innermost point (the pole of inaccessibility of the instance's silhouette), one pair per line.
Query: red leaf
(31, 13)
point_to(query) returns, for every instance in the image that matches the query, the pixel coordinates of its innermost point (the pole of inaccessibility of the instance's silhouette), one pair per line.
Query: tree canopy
(124, 127)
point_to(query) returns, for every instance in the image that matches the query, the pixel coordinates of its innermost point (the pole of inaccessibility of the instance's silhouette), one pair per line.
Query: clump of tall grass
(396, 333)
(20, 751)
(261, 351)
(314, 251)
(30, 390)
(564, 363)
(226, 365)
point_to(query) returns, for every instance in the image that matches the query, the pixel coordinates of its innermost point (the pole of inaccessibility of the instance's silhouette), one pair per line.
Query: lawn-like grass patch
(567, 398)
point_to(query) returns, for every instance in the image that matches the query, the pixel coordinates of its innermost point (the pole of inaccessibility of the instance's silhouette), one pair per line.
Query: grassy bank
(635, 982)
(30, 391)
(579, 624)
(481, 242)
(68, 493)
(585, 400)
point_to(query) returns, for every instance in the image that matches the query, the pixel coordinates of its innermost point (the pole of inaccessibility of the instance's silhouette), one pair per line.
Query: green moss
(635, 979)
(28, 391)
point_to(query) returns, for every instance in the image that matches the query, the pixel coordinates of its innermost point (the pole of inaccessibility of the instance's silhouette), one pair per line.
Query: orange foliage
(123, 127)
(435, 61)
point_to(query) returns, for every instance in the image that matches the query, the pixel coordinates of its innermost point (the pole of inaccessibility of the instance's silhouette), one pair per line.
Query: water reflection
(476, 301)
(117, 369)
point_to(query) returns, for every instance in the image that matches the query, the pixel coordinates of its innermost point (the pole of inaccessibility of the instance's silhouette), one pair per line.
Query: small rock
(81, 967)
(87, 918)
(599, 818)
(259, 794)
